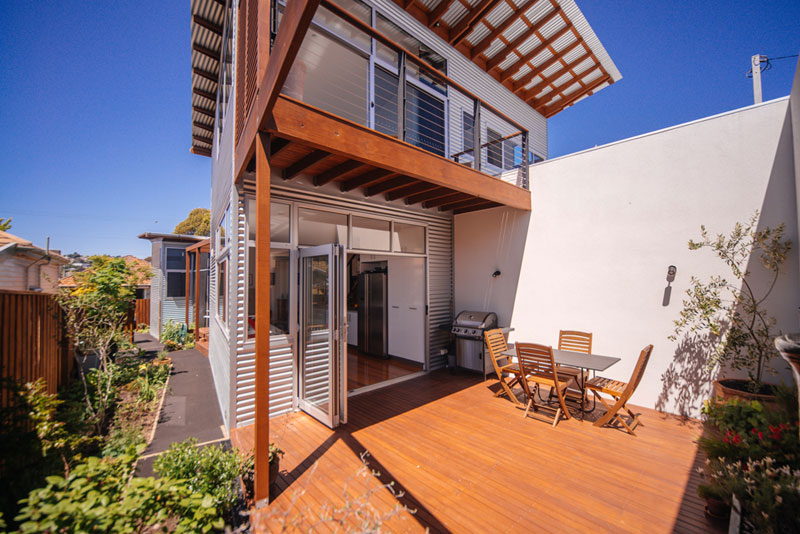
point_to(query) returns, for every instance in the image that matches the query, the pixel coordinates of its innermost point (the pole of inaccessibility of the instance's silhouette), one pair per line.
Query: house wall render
(606, 224)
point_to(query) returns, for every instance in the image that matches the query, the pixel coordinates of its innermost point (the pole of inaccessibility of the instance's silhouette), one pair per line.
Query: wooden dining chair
(496, 345)
(537, 367)
(621, 392)
(575, 341)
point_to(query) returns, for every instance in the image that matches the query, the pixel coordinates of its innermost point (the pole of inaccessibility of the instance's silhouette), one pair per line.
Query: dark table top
(595, 362)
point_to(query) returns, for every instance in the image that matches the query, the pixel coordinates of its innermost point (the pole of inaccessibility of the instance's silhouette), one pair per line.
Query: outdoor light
(671, 270)
(496, 274)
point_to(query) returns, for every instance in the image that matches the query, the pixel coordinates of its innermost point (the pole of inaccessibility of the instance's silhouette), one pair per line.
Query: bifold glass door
(322, 363)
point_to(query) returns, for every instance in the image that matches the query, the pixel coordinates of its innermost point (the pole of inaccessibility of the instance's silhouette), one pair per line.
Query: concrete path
(190, 408)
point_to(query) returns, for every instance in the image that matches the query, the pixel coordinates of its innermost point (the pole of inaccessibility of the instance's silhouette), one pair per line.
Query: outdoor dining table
(579, 360)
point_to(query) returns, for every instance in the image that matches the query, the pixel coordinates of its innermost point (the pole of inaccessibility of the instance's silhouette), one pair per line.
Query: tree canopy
(198, 222)
(5, 224)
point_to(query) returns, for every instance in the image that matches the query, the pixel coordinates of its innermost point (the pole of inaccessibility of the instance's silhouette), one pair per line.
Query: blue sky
(95, 107)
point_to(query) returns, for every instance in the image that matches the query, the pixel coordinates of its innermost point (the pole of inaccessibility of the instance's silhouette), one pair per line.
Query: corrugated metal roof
(205, 70)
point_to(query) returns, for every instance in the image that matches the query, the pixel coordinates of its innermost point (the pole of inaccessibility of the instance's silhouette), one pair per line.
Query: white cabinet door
(407, 308)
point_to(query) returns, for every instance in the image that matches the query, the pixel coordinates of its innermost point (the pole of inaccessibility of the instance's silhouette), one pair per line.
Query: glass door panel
(321, 333)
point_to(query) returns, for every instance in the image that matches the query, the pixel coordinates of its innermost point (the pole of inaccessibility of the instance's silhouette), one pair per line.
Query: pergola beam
(464, 26)
(484, 43)
(544, 45)
(519, 85)
(524, 36)
(558, 106)
(546, 99)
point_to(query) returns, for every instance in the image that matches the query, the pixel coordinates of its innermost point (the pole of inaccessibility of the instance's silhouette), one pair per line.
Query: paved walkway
(190, 408)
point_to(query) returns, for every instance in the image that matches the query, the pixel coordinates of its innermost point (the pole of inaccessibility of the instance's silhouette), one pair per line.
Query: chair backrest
(638, 372)
(575, 341)
(536, 361)
(496, 343)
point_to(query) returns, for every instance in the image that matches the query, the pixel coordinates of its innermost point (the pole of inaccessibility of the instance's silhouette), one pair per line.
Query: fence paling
(142, 311)
(33, 342)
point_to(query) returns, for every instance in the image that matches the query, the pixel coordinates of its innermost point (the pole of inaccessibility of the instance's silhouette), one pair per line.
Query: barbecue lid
(476, 319)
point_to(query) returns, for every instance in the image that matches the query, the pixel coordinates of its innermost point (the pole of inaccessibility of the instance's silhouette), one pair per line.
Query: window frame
(167, 271)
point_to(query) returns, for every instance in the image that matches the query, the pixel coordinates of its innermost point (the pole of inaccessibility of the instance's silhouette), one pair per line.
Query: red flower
(736, 439)
(760, 435)
(754, 431)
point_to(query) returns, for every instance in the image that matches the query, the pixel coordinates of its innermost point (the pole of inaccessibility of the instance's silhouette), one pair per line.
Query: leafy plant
(275, 453)
(95, 314)
(733, 313)
(173, 335)
(100, 495)
(123, 439)
(209, 469)
(5, 224)
(52, 433)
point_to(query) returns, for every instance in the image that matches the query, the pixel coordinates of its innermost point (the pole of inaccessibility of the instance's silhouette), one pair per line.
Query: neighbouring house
(169, 283)
(137, 265)
(26, 267)
(400, 152)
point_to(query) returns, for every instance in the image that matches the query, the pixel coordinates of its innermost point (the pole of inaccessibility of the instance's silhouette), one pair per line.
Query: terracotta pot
(725, 389)
(274, 471)
(717, 510)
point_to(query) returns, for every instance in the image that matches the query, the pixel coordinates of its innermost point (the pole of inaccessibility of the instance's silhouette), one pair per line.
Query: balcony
(360, 110)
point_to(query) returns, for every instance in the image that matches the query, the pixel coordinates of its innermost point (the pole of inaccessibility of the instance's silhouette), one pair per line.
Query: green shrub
(173, 334)
(211, 469)
(99, 495)
(123, 440)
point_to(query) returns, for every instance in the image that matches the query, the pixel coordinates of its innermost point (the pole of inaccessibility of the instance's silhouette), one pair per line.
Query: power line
(766, 63)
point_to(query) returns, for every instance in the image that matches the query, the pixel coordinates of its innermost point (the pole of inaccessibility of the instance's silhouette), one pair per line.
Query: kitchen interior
(385, 317)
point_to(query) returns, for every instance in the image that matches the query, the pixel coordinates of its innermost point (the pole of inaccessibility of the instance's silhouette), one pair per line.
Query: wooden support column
(187, 281)
(261, 452)
(197, 293)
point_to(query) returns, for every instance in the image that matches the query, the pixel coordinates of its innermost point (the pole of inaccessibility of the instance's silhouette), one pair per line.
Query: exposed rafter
(340, 170)
(207, 127)
(365, 179)
(453, 197)
(484, 43)
(200, 151)
(210, 76)
(277, 145)
(464, 26)
(200, 138)
(501, 56)
(388, 185)
(203, 111)
(208, 52)
(304, 163)
(546, 99)
(438, 12)
(205, 94)
(429, 195)
(410, 190)
(544, 45)
(571, 99)
(520, 84)
(207, 24)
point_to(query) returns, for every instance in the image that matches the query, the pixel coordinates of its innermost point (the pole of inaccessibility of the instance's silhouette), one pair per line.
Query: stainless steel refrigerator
(372, 314)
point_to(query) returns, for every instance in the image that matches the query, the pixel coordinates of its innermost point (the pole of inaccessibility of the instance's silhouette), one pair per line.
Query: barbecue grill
(468, 329)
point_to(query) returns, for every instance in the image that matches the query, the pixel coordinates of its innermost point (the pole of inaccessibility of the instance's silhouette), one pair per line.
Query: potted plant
(731, 310)
(275, 454)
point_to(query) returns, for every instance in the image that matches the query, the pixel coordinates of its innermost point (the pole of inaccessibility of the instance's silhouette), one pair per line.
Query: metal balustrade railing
(350, 69)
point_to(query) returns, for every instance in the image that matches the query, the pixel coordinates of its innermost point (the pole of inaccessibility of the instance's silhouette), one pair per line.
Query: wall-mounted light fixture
(496, 274)
(671, 270)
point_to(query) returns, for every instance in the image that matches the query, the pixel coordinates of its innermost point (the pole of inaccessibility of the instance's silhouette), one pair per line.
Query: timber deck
(468, 462)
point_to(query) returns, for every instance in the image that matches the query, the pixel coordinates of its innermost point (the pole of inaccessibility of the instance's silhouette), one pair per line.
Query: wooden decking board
(469, 462)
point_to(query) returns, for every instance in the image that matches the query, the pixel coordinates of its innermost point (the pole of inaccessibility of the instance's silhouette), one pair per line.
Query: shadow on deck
(467, 462)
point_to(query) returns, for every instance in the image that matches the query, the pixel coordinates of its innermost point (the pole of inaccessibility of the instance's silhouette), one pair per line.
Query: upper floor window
(223, 231)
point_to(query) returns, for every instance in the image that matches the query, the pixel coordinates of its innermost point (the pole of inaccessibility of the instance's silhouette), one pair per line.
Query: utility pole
(756, 65)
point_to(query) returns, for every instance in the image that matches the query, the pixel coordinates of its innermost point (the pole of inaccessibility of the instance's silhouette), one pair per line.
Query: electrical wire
(767, 63)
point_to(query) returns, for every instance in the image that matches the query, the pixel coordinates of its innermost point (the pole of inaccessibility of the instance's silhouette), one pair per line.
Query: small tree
(198, 222)
(95, 314)
(732, 313)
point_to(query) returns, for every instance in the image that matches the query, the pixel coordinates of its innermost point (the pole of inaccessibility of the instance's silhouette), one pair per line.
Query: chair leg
(558, 416)
(527, 408)
(612, 411)
(561, 402)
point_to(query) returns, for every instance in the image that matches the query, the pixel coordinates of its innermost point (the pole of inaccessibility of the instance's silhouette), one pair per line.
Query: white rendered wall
(606, 223)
